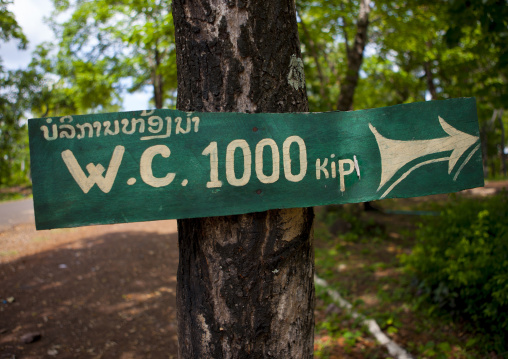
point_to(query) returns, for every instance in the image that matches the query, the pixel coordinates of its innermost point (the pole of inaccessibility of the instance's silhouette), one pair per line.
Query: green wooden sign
(162, 164)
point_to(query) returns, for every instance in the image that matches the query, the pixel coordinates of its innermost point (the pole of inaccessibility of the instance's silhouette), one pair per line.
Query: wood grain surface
(165, 164)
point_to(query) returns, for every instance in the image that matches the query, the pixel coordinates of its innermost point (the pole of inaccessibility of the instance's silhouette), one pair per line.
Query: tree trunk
(431, 87)
(503, 143)
(429, 76)
(245, 283)
(483, 135)
(158, 84)
(354, 59)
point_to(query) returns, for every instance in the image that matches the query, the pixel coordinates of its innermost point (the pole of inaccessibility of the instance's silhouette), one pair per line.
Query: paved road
(16, 212)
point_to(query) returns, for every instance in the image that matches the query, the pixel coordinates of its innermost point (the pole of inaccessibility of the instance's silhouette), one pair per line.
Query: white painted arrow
(395, 154)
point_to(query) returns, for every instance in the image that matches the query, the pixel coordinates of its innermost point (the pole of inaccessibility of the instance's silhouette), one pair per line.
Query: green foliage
(491, 16)
(14, 193)
(375, 284)
(392, 69)
(72, 86)
(17, 90)
(9, 26)
(324, 56)
(333, 327)
(463, 52)
(108, 46)
(461, 263)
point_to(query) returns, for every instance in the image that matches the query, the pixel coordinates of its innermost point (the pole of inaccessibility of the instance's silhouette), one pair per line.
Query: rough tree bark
(354, 58)
(245, 283)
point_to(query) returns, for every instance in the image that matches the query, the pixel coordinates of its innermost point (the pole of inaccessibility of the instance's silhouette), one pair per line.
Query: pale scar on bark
(296, 76)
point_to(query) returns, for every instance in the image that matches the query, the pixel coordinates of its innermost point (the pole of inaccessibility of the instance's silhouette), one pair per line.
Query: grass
(15, 193)
(8, 253)
(358, 254)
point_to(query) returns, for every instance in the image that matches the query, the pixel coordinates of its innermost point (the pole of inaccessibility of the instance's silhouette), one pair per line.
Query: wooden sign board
(163, 164)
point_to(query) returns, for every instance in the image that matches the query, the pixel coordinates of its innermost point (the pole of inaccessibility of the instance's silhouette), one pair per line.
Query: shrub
(460, 263)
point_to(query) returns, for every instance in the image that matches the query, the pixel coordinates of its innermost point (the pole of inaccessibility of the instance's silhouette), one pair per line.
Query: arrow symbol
(395, 154)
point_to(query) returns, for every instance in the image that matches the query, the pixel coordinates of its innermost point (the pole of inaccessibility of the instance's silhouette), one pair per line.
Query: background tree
(245, 283)
(461, 53)
(10, 27)
(483, 25)
(108, 46)
(354, 52)
(16, 91)
(334, 35)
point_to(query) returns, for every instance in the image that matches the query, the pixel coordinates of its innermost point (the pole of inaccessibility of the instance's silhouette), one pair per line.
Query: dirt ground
(91, 292)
